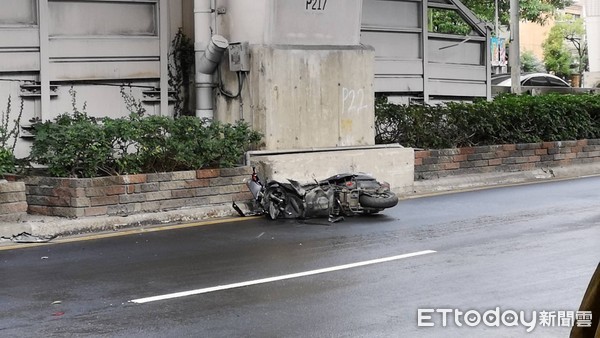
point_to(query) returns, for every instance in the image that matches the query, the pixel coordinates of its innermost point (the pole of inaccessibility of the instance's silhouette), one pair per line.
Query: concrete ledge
(393, 164)
(474, 181)
(58, 226)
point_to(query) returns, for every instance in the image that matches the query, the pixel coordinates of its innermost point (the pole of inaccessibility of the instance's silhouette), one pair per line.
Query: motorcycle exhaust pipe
(254, 188)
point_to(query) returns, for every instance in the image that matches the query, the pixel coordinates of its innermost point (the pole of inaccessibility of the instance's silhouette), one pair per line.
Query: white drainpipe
(208, 52)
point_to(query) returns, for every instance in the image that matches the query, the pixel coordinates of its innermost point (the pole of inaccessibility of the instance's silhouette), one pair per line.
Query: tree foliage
(531, 10)
(449, 22)
(565, 46)
(530, 63)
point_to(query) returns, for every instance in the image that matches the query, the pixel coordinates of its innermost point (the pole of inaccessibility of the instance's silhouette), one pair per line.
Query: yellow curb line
(126, 233)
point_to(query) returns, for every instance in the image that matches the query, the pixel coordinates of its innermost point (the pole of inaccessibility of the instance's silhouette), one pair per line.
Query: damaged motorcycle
(337, 196)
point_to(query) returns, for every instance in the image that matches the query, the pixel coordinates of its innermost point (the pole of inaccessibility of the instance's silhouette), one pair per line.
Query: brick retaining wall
(12, 200)
(130, 194)
(504, 158)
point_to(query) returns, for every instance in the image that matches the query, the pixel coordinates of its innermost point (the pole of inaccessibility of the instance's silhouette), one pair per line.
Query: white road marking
(278, 278)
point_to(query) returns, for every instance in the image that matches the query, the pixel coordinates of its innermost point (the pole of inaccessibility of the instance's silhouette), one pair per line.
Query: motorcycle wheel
(273, 211)
(270, 206)
(379, 201)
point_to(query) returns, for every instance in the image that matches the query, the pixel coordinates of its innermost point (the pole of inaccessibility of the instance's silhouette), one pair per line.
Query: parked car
(530, 79)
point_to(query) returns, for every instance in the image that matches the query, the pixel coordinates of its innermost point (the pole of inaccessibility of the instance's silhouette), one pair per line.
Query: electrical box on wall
(239, 57)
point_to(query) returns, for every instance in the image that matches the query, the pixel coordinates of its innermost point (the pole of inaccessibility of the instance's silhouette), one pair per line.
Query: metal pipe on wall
(203, 83)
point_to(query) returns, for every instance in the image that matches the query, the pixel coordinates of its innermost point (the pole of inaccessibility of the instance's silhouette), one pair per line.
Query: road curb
(489, 180)
(58, 226)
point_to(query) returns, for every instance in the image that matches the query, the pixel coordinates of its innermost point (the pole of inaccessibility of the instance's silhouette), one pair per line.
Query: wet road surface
(525, 248)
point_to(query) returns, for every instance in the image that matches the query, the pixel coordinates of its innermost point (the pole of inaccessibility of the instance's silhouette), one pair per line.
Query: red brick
(503, 153)
(103, 181)
(541, 151)
(582, 143)
(183, 193)
(467, 151)
(59, 201)
(93, 192)
(242, 196)
(527, 166)
(133, 179)
(450, 166)
(422, 153)
(535, 158)
(548, 145)
(570, 156)
(201, 183)
(39, 210)
(208, 173)
(104, 200)
(11, 177)
(577, 149)
(509, 147)
(115, 190)
(106, 191)
(495, 161)
(459, 158)
(96, 211)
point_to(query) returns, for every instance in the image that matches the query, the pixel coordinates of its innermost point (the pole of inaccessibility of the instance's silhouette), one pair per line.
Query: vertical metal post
(44, 59)
(496, 19)
(515, 46)
(425, 49)
(164, 56)
(488, 64)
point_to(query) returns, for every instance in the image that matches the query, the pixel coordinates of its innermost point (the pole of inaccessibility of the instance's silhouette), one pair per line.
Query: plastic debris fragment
(26, 237)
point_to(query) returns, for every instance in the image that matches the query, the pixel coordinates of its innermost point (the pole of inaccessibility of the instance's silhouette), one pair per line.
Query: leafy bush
(81, 146)
(8, 138)
(507, 119)
(7, 161)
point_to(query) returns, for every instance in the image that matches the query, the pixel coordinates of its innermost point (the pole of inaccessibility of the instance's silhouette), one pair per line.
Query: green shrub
(7, 161)
(507, 119)
(77, 145)
(72, 145)
(8, 138)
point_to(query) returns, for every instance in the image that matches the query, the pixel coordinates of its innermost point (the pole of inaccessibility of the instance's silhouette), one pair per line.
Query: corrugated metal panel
(405, 84)
(90, 18)
(455, 67)
(592, 8)
(399, 45)
(106, 47)
(18, 13)
(19, 61)
(457, 72)
(394, 66)
(393, 14)
(63, 71)
(456, 88)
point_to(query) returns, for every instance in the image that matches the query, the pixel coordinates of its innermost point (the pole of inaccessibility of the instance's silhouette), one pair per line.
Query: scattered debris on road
(26, 237)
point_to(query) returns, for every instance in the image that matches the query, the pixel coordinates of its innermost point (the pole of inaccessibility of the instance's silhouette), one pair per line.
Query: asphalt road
(525, 248)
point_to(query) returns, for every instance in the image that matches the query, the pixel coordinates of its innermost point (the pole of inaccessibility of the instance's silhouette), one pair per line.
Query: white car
(530, 79)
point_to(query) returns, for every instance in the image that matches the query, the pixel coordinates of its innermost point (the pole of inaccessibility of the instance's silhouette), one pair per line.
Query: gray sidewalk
(58, 226)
